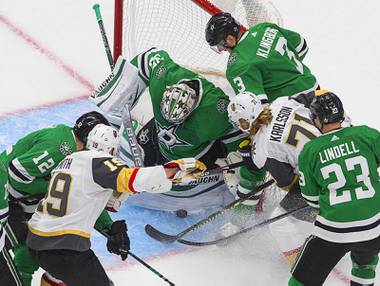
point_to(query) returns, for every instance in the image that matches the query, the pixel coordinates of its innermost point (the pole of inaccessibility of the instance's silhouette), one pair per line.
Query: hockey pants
(318, 257)
(64, 264)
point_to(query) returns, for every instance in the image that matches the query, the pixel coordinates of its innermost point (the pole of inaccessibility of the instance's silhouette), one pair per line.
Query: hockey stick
(99, 18)
(126, 115)
(167, 238)
(129, 132)
(251, 228)
(140, 260)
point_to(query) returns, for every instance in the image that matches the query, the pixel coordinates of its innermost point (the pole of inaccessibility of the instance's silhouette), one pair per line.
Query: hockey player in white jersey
(82, 185)
(277, 135)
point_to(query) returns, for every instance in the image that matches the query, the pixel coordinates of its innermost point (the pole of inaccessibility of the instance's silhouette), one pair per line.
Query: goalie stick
(167, 238)
(251, 228)
(126, 115)
(96, 8)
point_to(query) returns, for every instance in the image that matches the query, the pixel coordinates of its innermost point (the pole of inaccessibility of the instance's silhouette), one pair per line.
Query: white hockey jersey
(279, 143)
(78, 192)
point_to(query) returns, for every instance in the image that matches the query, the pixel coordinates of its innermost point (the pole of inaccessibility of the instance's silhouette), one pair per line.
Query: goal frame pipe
(118, 22)
(212, 9)
(118, 29)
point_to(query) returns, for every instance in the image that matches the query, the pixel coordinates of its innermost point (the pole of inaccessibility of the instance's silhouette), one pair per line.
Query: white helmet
(103, 138)
(178, 101)
(243, 110)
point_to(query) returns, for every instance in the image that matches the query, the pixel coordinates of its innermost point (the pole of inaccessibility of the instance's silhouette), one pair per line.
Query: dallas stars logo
(168, 136)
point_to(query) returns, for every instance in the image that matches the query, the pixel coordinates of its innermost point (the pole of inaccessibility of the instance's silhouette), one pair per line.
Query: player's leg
(24, 263)
(315, 261)
(364, 259)
(8, 273)
(64, 265)
(16, 232)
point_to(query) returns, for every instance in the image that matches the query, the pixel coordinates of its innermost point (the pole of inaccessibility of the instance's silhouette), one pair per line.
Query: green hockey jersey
(30, 161)
(338, 175)
(267, 61)
(208, 122)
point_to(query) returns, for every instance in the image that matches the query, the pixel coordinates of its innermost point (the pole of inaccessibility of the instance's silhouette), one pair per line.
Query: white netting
(178, 27)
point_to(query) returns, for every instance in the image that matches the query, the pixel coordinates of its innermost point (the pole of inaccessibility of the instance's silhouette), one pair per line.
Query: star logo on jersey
(231, 59)
(334, 138)
(65, 149)
(169, 137)
(254, 34)
(221, 105)
(143, 137)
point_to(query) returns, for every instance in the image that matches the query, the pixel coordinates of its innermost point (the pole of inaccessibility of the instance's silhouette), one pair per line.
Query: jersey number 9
(57, 196)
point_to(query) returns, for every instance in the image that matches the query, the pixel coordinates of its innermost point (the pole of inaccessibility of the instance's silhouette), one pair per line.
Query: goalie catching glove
(188, 169)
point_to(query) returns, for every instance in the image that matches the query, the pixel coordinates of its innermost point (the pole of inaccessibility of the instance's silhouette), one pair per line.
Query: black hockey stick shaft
(99, 18)
(167, 238)
(140, 260)
(251, 228)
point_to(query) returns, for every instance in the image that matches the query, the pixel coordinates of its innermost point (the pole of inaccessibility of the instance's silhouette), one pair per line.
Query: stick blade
(160, 236)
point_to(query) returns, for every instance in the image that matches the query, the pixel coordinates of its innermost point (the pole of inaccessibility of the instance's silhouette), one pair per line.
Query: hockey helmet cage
(178, 101)
(243, 110)
(327, 107)
(86, 122)
(103, 138)
(219, 27)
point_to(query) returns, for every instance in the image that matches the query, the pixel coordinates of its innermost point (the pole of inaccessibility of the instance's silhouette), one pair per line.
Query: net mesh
(177, 26)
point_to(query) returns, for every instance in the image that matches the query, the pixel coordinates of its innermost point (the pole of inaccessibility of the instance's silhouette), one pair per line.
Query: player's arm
(111, 173)
(247, 78)
(3, 205)
(376, 146)
(296, 41)
(30, 172)
(307, 182)
(104, 222)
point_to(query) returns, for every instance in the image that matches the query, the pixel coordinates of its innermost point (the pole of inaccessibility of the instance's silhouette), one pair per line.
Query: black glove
(118, 239)
(246, 150)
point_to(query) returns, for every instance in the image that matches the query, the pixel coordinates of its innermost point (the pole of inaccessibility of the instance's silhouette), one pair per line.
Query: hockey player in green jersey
(190, 120)
(338, 176)
(265, 60)
(28, 164)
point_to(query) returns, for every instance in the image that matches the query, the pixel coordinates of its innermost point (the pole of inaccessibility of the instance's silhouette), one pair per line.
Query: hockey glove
(118, 242)
(246, 150)
(188, 169)
(115, 201)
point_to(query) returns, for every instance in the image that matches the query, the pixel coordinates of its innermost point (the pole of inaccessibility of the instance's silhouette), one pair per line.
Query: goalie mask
(103, 138)
(178, 101)
(243, 110)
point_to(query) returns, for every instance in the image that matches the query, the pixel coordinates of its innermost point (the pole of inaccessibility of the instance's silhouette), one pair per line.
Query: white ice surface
(344, 55)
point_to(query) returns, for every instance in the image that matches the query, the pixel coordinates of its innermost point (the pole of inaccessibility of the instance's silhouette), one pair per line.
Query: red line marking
(55, 59)
(40, 106)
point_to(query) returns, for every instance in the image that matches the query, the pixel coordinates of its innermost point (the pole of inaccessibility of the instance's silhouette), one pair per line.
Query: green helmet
(178, 101)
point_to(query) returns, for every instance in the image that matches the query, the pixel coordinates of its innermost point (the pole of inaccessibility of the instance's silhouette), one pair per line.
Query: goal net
(178, 26)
